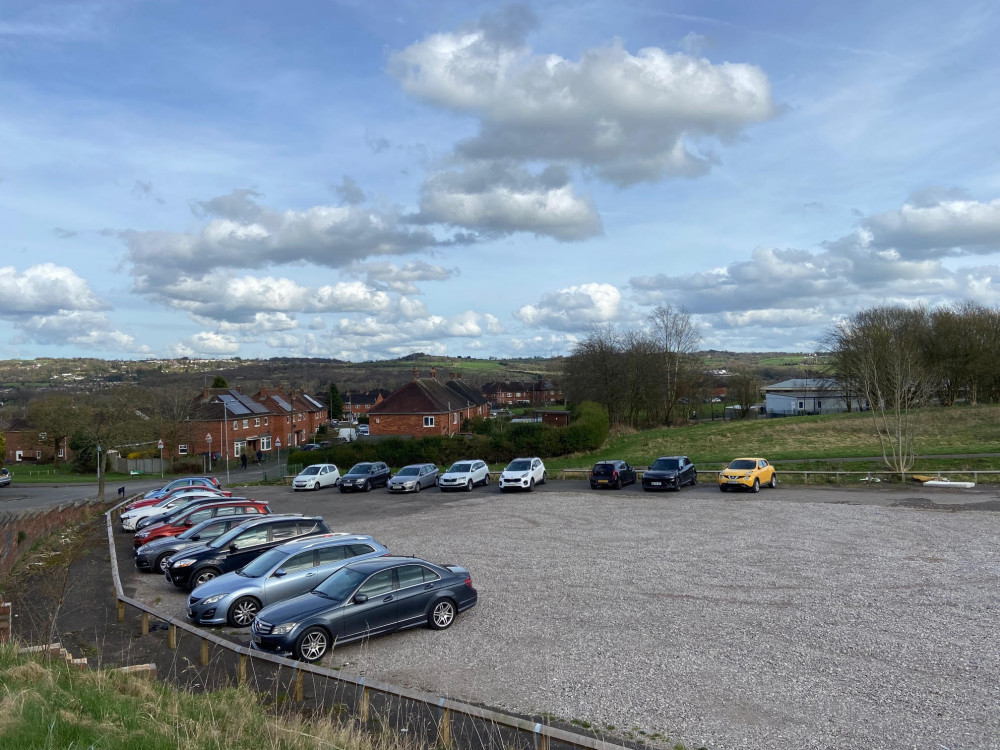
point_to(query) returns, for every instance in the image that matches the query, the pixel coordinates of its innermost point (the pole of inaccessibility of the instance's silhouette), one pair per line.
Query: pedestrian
(243, 460)
(260, 457)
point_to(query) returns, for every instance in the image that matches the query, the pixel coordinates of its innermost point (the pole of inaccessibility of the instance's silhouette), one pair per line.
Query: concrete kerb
(540, 735)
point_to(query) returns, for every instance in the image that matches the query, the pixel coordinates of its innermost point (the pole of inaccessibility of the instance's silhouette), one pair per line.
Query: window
(246, 423)
(239, 447)
(41, 437)
(802, 405)
(256, 422)
(251, 537)
(60, 453)
(38, 454)
(236, 425)
(301, 561)
(378, 420)
(284, 530)
(410, 575)
(230, 511)
(182, 450)
(428, 421)
(454, 418)
(378, 584)
(265, 421)
(329, 555)
(265, 443)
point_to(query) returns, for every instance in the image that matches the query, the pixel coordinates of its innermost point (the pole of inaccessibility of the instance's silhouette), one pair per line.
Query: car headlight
(284, 628)
(213, 599)
(143, 534)
(183, 563)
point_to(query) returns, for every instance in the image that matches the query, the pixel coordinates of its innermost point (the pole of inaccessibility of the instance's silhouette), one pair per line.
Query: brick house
(236, 422)
(296, 416)
(362, 403)
(27, 444)
(522, 393)
(427, 406)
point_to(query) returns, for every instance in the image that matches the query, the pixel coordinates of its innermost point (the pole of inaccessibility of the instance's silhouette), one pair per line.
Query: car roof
(415, 466)
(373, 564)
(275, 517)
(331, 539)
(678, 457)
(748, 458)
(311, 465)
(224, 503)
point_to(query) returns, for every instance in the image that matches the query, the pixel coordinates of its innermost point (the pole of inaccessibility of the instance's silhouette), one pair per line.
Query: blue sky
(366, 179)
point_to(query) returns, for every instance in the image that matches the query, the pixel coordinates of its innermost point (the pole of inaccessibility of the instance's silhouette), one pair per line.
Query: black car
(669, 473)
(153, 555)
(362, 599)
(237, 547)
(364, 476)
(614, 474)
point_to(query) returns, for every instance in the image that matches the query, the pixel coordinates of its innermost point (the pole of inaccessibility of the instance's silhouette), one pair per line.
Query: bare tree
(880, 353)
(678, 338)
(594, 371)
(56, 416)
(745, 388)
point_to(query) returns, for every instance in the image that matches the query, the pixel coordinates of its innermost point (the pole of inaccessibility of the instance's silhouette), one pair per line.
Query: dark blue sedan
(366, 598)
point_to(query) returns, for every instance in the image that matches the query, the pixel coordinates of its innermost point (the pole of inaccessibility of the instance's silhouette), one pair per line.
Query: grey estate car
(153, 556)
(279, 574)
(414, 478)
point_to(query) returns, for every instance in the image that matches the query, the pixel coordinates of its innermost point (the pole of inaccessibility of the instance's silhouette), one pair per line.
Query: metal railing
(441, 721)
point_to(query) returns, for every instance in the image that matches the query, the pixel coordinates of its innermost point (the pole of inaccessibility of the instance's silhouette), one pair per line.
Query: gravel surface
(724, 621)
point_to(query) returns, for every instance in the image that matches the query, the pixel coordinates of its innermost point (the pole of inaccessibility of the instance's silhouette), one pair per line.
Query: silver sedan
(414, 478)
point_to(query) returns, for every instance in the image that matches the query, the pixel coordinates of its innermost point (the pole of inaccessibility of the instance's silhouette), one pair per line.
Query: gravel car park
(797, 618)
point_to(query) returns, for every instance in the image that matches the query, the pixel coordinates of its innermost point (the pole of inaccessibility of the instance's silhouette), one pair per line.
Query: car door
(245, 547)
(294, 576)
(416, 585)
(479, 471)
(765, 470)
(378, 613)
(628, 473)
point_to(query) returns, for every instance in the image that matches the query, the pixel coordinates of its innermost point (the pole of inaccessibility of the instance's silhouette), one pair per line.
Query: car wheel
(722, 488)
(203, 575)
(545, 477)
(774, 481)
(468, 486)
(442, 614)
(694, 479)
(531, 485)
(342, 488)
(161, 562)
(486, 480)
(756, 486)
(618, 483)
(243, 611)
(367, 487)
(312, 645)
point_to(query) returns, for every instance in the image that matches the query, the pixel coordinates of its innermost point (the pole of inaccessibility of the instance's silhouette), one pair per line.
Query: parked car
(238, 546)
(184, 503)
(669, 473)
(5, 477)
(614, 473)
(152, 556)
(132, 518)
(523, 474)
(413, 478)
(281, 573)
(747, 473)
(364, 476)
(362, 429)
(184, 482)
(176, 492)
(464, 475)
(310, 447)
(184, 518)
(316, 476)
(362, 599)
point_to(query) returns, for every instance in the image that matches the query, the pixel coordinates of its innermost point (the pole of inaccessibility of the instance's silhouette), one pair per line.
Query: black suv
(611, 474)
(364, 476)
(669, 473)
(237, 547)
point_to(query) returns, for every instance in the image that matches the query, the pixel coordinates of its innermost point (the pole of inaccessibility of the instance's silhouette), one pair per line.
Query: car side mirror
(196, 537)
(279, 573)
(233, 547)
(189, 523)
(360, 598)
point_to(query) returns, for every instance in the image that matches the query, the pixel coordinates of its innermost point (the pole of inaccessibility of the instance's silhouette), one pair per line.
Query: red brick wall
(38, 525)
(410, 424)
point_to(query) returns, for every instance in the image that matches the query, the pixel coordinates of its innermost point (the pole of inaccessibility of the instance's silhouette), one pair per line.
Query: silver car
(414, 478)
(278, 574)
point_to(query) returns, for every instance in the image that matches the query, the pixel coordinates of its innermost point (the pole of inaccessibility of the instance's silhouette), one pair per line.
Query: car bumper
(143, 563)
(212, 614)
(661, 483)
(179, 577)
(515, 484)
(739, 482)
(279, 646)
(399, 488)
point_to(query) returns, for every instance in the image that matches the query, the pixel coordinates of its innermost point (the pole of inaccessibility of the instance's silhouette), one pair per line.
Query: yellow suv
(748, 474)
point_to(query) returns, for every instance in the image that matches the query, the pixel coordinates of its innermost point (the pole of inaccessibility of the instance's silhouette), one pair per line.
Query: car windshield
(310, 470)
(262, 564)
(409, 471)
(460, 469)
(519, 466)
(743, 463)
(604, 468)
(360, 469)
(340, 585)
(664, 464)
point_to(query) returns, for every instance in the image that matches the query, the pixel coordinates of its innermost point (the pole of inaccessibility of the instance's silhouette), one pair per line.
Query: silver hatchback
(278, 574)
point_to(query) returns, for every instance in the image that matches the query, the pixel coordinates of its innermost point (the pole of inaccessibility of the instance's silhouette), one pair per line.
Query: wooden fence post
(172, 637)
(444, 725)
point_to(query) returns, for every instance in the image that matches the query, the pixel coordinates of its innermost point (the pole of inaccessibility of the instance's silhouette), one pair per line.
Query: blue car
(362, 599)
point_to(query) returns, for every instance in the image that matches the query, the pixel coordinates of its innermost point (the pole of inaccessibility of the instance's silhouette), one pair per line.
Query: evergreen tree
(336, 405)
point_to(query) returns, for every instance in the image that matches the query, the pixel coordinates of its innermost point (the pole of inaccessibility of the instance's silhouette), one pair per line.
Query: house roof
(429, 396)
(803, 384)
(371, 397)
(219, 403)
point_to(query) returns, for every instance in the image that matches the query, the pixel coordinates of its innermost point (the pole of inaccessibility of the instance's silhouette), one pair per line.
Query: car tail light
(468, 582)
(614, 474)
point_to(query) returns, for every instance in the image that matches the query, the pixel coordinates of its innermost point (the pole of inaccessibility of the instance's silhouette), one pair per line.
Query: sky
(362, 180)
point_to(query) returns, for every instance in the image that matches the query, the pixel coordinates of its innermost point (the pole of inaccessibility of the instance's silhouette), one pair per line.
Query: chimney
(434, 373)
(208, 394)
(416, 374)
(451, 375)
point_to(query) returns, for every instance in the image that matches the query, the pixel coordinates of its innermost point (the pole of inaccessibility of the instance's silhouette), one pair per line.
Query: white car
(131, 518)
(523, 474)
(464, 475)
(316, 476)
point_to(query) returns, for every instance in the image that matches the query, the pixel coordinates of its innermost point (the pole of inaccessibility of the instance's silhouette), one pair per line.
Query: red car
(188, 518)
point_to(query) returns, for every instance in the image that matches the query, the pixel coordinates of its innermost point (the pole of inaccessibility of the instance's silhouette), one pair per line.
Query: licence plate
(732, 481)
(655, 484)
(602, 481)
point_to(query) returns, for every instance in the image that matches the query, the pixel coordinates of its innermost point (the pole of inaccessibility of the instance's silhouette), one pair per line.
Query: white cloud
(629, 118)
(400, 279)
(45, 289)
(949, 227)
(574, 308)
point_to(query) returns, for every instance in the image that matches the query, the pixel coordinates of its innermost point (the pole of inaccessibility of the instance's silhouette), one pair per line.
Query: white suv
(523, 474)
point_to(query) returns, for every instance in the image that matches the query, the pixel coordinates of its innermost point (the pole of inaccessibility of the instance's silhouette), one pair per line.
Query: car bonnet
(296, 609)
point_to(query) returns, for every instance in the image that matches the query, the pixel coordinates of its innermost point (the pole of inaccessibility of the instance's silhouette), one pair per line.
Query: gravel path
(716, 621)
